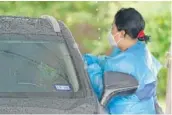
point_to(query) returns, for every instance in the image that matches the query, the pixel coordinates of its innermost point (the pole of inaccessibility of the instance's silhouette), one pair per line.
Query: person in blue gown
(130, 55)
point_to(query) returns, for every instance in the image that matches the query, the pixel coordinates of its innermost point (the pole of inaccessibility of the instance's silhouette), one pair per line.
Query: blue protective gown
(136, 61)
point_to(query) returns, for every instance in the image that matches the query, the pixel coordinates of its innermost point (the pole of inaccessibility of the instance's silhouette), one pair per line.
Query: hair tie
(141, 34)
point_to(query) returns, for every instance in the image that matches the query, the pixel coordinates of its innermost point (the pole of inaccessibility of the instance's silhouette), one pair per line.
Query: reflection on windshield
(31, 67)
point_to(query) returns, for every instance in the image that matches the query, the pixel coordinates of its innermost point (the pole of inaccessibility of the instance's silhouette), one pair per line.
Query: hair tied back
(141, 34)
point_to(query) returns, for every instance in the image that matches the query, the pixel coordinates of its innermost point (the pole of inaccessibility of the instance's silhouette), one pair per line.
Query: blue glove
(89, 59)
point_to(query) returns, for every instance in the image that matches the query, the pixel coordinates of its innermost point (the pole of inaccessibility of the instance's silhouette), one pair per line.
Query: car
(42, 70)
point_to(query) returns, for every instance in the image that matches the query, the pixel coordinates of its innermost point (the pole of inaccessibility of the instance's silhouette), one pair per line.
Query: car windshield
(32, 66)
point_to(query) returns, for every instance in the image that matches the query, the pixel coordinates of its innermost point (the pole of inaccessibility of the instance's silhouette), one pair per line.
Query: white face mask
(112, 41)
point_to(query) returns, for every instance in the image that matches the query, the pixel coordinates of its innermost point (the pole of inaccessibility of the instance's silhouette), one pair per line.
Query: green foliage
(84, 20)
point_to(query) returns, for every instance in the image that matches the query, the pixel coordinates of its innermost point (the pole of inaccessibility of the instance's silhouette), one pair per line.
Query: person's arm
(95, 69)
(96, 77)
(96, 72)
(91, 59)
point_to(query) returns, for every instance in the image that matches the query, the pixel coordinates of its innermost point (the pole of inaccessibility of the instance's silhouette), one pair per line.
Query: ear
(123, 33)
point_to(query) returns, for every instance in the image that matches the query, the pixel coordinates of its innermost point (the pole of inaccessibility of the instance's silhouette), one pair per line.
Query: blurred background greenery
(90, 22)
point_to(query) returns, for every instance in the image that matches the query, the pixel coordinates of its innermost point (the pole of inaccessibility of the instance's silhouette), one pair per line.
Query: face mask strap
(118, 40)
(112, 39)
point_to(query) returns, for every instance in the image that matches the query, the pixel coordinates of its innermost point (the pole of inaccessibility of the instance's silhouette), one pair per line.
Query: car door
(41, 69)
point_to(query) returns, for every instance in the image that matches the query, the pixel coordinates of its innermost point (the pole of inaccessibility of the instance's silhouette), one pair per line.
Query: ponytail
(142, 37)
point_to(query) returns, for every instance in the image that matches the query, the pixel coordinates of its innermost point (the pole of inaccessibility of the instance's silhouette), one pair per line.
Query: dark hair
(132, 22)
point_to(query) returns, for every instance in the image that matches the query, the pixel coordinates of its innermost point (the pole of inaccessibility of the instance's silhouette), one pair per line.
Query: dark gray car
(42, 70)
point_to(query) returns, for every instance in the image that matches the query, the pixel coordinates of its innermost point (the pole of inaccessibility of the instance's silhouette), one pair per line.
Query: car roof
(31, 28)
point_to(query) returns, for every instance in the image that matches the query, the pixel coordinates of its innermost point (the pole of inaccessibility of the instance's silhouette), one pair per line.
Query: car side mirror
(116, 83)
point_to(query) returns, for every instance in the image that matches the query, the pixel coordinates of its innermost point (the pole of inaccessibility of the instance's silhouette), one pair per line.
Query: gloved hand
(89, 59)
